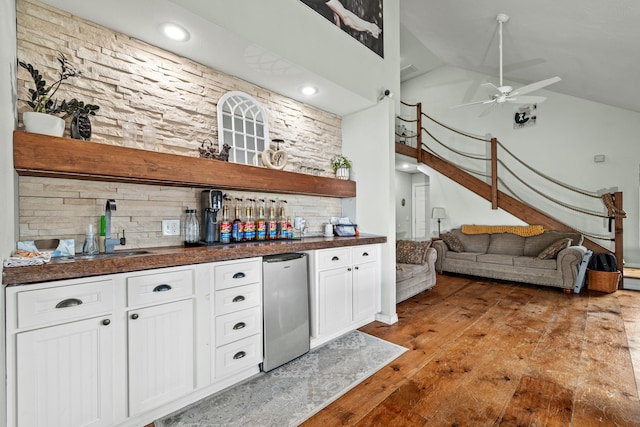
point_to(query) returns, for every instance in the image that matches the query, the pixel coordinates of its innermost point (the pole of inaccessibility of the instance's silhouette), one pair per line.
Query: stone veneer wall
(133, 81)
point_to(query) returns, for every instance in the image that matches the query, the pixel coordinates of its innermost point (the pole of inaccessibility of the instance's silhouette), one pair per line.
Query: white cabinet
(160, 333)
(345, 290)
(237, 316)
(60, 354)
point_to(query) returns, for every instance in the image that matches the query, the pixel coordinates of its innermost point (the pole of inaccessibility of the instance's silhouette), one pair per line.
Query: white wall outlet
(170, 227)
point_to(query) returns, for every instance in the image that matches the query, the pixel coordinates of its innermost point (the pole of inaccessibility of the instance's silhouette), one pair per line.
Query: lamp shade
(438, 213)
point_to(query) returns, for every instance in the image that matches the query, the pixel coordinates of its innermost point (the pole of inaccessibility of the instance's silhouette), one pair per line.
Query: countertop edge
(172, 257)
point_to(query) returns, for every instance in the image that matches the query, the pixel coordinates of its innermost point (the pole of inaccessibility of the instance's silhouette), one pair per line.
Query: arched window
(242, 123)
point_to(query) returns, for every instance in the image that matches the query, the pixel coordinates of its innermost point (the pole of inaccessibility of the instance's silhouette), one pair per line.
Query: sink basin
(110, 255)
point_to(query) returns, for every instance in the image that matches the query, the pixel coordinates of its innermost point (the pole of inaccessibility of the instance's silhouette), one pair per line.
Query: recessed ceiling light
(175, 32)
(309, 90)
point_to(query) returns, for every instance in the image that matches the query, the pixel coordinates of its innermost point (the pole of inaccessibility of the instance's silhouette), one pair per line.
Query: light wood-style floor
(484, 353)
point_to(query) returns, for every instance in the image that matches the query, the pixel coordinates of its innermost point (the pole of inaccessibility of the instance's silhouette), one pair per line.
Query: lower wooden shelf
(42, 155)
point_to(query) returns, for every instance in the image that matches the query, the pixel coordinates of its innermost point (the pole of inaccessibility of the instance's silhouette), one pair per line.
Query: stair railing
(411, 132)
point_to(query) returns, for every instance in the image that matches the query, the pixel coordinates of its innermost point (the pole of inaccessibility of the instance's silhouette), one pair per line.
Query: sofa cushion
(552, 250)
(408, 271)
(535, 244)
(412, 252)
(453, 242)
(473, 242)
(533, 262)
(496, 259)
(506, 244)
(464, 256)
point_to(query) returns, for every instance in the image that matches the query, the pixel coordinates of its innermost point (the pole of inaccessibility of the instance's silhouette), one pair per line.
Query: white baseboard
(631, 283)
(389, 320)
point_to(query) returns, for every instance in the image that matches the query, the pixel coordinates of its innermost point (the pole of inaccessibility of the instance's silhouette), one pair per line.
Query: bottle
(237, 227)
(225, 226)
(102, 237)
(272, 224)
(250, 222)
(261, 223)
(191, 228)
(90, 246)
(289, 228)
(282, 222)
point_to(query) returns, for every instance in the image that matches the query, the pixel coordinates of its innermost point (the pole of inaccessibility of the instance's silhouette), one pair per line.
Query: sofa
(415, 268)
(549, 258)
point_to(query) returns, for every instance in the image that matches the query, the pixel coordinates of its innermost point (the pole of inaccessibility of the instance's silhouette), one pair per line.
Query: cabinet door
(161, 354)
(64, 375)
(334, 300)
(365, 290)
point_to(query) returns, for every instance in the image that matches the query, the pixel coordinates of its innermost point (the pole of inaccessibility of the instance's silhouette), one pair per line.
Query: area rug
(292, 393)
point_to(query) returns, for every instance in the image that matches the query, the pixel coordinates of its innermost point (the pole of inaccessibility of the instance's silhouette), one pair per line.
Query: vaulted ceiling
(594, 46)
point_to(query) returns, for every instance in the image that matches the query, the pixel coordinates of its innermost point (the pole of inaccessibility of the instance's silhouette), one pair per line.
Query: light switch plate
(170, 227)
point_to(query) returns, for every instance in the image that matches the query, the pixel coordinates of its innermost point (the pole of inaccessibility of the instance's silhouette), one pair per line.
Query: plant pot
(43, 123)
(342, 173)
(81, 127)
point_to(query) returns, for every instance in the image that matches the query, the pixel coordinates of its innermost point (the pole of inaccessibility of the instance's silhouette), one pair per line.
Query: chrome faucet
(109, 243)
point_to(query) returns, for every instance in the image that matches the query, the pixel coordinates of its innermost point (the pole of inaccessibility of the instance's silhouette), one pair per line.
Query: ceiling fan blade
(526, 99)
(493, 86)
(488, 101)
(535, 86)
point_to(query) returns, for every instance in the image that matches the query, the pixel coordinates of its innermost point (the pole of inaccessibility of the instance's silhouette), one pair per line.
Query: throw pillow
(410, 252)
(551, 251)
(453, 242)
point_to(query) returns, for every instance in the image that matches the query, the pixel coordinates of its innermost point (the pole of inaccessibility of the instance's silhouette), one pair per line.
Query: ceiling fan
(505, 93)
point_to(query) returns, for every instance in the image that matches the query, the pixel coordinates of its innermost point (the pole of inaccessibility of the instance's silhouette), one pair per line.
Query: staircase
(498, 198)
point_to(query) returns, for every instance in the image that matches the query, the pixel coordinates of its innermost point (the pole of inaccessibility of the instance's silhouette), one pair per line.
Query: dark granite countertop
(69, 268)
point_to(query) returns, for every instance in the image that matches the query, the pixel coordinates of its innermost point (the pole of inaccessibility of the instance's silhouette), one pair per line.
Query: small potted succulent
(45, 108)
(341, 166)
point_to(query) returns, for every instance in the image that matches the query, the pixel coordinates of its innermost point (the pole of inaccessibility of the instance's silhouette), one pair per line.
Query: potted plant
(341, 166)
(45, 108)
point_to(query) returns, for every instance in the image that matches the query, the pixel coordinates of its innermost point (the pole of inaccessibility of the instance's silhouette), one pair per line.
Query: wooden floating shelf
(48, 156)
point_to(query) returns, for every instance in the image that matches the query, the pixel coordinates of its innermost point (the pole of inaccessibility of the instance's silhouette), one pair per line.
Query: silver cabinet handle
(162, 288)
(239, 325)
(239, 355)
(239, 275)
(335, 258)
(70, 302)
(239, 298)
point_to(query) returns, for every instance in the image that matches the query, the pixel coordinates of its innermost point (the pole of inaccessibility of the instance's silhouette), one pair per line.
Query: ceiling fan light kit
(505, 93)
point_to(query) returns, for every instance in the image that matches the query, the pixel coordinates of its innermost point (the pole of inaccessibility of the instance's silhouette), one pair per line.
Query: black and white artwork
(525, 116)
(361, 19)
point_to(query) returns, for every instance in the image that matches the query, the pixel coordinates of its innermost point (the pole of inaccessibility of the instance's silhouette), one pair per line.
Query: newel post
(419, 132)
(619, 247)
(494, 173)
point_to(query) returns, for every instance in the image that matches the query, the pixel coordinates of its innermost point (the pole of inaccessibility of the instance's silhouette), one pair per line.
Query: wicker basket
(603, 281)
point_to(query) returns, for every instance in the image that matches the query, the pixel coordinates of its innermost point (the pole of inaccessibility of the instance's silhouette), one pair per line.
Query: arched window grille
(242, 123)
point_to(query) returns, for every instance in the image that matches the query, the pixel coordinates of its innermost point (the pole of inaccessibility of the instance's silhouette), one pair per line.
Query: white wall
(8, 192)
(569, 132)
(403, 213)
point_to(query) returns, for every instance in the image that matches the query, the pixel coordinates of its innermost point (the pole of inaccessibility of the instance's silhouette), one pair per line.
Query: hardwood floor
(484, 353)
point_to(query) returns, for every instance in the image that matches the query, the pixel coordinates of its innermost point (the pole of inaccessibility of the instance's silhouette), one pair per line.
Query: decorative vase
(81, 127)
(43, 123)
(342, 173)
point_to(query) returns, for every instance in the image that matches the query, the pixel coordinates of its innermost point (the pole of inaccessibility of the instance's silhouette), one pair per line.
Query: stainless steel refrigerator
(286, 308)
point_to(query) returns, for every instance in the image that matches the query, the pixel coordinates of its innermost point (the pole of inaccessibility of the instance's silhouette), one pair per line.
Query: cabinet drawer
(229, 275)
(235, 326)
(63, 303)
(236, 299)
(364, 253)
(238, 355)
(158, 287)
(333, 258)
